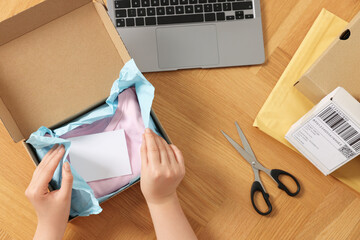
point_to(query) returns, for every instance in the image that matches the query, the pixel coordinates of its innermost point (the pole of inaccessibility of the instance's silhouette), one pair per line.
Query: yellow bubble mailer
(285, 105)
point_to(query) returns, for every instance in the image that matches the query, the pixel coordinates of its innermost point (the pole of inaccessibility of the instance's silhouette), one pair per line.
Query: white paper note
(100, 156)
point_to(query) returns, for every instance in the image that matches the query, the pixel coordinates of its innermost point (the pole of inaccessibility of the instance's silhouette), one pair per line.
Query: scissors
(257, 186)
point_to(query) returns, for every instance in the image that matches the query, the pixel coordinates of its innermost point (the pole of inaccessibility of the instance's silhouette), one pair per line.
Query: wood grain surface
(193, 105)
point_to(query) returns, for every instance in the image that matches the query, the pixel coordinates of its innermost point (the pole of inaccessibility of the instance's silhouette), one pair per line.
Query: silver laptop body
(169, 45)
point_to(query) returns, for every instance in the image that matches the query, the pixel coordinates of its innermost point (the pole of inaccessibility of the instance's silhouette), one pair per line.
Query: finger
(55, 159)
(48, 170)
(39, 170)
(67, 180)
(180, 159)
(48, 155)
(152, 149)
(169, 151)
(178, 155)
(143, 153)
(163, 152)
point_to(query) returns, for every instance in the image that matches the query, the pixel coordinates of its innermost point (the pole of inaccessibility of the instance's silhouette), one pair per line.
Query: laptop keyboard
(134, 13)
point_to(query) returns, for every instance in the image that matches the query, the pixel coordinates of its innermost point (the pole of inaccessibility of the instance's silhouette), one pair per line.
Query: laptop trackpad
(191, 46)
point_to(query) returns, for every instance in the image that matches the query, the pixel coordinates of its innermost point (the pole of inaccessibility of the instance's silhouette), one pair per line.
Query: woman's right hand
(162, 168)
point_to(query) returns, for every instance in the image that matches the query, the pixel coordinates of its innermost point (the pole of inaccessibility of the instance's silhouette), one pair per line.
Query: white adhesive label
(330, 136)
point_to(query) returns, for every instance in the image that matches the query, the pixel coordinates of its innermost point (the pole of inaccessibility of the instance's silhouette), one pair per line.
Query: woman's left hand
(52, 208)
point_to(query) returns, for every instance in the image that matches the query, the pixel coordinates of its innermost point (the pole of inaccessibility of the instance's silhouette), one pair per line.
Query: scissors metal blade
(247, 156)
(244, 140)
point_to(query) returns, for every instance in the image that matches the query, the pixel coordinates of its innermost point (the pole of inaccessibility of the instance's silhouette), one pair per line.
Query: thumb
(67, 179)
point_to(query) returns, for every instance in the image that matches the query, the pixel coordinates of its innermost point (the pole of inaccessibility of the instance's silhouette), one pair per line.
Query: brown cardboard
(9, 122)
(57, 66)
(338, 66)
(35, 17)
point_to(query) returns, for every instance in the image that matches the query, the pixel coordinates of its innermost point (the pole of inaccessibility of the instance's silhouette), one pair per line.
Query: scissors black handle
(257, 187)
(275, 173)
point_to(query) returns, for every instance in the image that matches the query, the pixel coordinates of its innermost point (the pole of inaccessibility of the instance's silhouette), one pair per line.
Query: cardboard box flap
(114, 35)
(337, 66)
(58, 70)
(35, 17)
(9, 123)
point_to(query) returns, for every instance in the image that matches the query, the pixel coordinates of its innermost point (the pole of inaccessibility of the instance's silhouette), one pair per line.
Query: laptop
(163, 35)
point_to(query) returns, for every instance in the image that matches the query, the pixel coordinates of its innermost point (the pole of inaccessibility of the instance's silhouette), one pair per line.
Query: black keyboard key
(212, 1)
(241, 5)
(227, 6)
(139, 21)
(120, 22)
(231, 0)
(150, 11)
(164, 2)
(209, 17)
(230, 17)
(170, 10)
(155, 3)
(220, 16)
(132, 12)
(192, 1)
(189, 9)
(217, 7)
(198, 8)
(135, 3)
(130, 22)
(122, 4)
(248, 16)
(179, 9)
(145, 3)
(183, 2)
(160, 11)
(174, 2)
(207, 7)
(221, 1)
(180, 19)
(239, 14)
(150, 21)
(202, 1)
(141, 12)
(120, 13)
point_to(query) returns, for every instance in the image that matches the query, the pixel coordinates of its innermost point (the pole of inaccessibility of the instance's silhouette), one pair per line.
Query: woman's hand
(52, 208)
(162, 168)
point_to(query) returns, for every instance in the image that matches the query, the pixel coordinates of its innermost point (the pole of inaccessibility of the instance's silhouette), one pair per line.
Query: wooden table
(193, 106)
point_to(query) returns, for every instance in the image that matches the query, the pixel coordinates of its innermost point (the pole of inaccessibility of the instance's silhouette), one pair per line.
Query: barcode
(347, 152)
(342, 127)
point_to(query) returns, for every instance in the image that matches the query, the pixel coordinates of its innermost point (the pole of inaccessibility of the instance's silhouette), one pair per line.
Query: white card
(100, 156)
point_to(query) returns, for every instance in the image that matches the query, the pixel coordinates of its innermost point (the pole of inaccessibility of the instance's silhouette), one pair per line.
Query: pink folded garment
(127, 117)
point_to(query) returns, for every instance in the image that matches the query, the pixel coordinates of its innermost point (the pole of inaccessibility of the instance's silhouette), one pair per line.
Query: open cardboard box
(58, 60)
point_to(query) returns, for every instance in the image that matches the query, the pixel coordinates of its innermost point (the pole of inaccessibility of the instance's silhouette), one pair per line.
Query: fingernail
(55, 146)
(148, 130)
(59, 147)
(67, 166)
